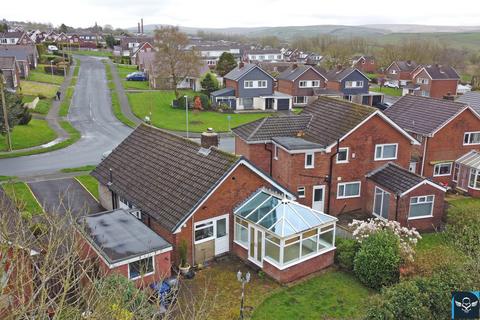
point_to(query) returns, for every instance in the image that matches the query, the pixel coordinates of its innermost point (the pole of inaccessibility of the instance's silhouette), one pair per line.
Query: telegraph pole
(5, 114)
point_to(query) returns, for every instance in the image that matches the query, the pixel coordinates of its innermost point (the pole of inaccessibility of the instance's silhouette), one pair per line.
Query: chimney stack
(241, 65)
(209, 139)
(339, 67)
(138, 28)
(141, 21)
(449, 96)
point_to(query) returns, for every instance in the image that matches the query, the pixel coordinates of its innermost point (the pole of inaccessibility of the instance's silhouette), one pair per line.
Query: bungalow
(9, 68)
(446, 130)
(434, 81)
(364, 64)
(249, 87)
(300, 81)
(400, 72)
(25, 55)
(15, 37)
(327, 152)
(198, 195)
(211, 53)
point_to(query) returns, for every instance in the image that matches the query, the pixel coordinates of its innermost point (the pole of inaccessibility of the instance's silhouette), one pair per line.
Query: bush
(25, 117)
(463, 230)
(345, 253)
(205, 101)
(377, 262)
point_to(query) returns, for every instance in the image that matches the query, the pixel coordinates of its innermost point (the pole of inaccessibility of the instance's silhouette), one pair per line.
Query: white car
(389, 84)
(52, 48)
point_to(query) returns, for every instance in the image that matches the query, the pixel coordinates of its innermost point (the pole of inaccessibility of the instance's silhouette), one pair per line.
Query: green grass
(42, 107)
(334, 294)
(89, 183)
(7, 178)
(93, 53)
(77, 68)
(65, 105)
(74, 136)
(22, 196)
(467, 202)
(117, 110)
(36, 133)
(388, 91)
(123, 70)
(164, 116)
(37, 89)
(79, 169)
(39, 75)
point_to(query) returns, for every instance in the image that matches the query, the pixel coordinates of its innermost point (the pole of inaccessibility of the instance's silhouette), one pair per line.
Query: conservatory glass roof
(279, 215)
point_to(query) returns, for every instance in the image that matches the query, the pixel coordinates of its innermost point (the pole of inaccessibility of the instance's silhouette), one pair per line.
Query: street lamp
(51, 67)
(243, 281)
(186, 112)
(3, 82)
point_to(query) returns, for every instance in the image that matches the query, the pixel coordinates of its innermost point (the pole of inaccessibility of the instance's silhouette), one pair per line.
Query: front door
(269, 103)
(221, 236)
(255, 248)
(318, 198)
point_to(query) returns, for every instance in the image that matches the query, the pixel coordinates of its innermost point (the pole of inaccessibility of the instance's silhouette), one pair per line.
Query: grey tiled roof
(7, 62)
(119, 236)
(267, 128)
(163, 174)
(395, 178)
(422, 115)
(223, 92)
(406, 66)
(471, 98)
(296, 143)
(293, 73)
(337, 75)
(16, 51)
(238, 72)
(441, 72)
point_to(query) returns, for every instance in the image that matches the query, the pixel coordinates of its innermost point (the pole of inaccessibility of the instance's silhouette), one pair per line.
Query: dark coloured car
(136, 76)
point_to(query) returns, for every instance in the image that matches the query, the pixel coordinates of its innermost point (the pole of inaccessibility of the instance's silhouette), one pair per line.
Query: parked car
(136, 76)
(52, 48)
(389, 84)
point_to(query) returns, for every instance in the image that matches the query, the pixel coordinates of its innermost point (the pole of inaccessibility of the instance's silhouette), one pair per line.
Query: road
(91, 114)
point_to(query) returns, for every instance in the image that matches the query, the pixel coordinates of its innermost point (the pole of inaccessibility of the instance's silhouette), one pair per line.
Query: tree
(110, 40)
(226, 63)
(63, 28)
(3, 27)
(16, 112)
(209, 82)
(174, 61)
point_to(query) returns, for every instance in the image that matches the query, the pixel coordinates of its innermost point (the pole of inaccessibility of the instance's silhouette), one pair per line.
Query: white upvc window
(299, 100)
(471, 138)
(393, 71)
(386, 151)
(381, 203)
(442, 169)
(353, 84)
(275, 152)
(309, 84)
(309, 160)
(141, 268)
(255, 84)
(342, 155)
(421, 207)
(474, 179)
(301, 192)
(422, 80)
(204, 231)
(241, 232)
(347, 190)
(456, 170)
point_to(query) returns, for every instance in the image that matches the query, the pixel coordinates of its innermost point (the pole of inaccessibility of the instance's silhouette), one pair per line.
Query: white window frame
(310, 166)
(383, 192)
(354, 84)
(275, 152)
(347, 158)
(393, 71)
(295, 100)
(243, 245)
(469, 134)
(456, 171)
(142, 275)
(421, 200)
(422, 81)
(439, 165)
(208, 222)
(301, 192)
(255, 84)
(475, 173)
(382, 147)
(348, 183)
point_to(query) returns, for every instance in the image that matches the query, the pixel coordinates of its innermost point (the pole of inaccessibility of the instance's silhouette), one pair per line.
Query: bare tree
(174, 60)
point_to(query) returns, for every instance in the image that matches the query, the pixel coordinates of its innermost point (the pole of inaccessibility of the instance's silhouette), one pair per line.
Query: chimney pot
(209, 139)
(295, 66)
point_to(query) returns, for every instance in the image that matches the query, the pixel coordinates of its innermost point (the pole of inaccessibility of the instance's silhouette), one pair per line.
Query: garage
(283, 104)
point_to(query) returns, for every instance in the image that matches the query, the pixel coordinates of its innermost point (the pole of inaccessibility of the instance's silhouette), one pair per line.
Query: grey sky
(246, 13)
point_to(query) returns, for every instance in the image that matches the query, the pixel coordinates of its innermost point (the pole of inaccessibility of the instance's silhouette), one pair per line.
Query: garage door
(283, 104)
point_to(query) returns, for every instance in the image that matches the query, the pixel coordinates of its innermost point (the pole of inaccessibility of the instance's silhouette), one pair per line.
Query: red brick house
(400, 72)
(446, 129)
(144, 47)
(326, 152)
(187, 192)
(364, 63)
(434, 81)
(300, 81)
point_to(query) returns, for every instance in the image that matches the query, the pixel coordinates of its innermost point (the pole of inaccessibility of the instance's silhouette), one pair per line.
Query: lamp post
(4, 107)
(186, 112)
(51, 67)
(243, 281)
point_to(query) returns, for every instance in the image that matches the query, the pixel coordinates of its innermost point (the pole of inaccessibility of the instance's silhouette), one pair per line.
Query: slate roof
(238, 72)
(406, 66)
(7, 62)
(118, 235)
(267, 128)
(294, 72)
(225, 92)
(471, 98)
(338, 75)
(163, 174)
(423, 115)
(395, 178)
(296, 143)
(438, 72)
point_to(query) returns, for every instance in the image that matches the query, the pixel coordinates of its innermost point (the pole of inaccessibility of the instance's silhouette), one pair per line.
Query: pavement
(64, 196)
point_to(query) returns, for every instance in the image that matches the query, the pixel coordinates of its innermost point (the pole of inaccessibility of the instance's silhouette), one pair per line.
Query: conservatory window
(241, 231)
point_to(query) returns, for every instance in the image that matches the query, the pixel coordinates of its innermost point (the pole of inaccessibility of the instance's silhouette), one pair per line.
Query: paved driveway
(65, 195)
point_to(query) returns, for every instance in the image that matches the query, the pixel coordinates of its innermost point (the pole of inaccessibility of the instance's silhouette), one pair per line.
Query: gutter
(424, 155)
(271, 160)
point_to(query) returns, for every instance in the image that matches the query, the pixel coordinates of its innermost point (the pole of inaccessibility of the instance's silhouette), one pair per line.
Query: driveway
(65, 195)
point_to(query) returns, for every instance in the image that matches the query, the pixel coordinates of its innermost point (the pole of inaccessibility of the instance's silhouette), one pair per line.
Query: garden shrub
(377, 262)
(345, 253)
(205, 101)
(463, 230)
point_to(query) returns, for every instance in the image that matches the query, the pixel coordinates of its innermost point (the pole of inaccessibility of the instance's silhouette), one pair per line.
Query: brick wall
(441, 88)
(232, 84)
(258, 153)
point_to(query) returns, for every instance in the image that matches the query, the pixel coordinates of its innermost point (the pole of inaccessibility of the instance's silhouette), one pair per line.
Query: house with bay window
(447, 130)
(194, 193)
(249, 87)
(327, 152)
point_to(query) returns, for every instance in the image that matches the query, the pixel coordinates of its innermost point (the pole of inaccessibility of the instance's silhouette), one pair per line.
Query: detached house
(364, 64)
(15, 37)
(144, 47)
(249, 87)
(327, 152)
(25, 55)
(400, 72)
(434, 81)
(215, 202)
(300, 81)
(447, 130)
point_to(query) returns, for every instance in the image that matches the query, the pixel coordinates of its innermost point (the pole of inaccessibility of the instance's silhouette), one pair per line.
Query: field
(36, 133)
(166, 117)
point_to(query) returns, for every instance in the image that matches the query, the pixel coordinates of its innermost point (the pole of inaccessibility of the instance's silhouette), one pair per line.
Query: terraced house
(327, 154)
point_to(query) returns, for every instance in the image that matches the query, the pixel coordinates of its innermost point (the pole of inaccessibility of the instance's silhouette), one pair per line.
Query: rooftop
(471, 98)
(294, 143)
(395, 178)
(470, 159)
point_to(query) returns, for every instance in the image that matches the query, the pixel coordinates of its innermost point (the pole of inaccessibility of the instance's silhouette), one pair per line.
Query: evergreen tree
(226, 63)
(16, 112)
(209, 83)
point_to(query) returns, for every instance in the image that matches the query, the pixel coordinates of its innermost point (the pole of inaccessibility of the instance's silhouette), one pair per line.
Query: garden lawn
(35, 133)
(89, 183)
(38, 89)
(123, 70)
(166, 117)
(42, 107)
(79, 169)
(40, 75)
(24, 199)
(388, 91)
(334, 294)
(92, 53)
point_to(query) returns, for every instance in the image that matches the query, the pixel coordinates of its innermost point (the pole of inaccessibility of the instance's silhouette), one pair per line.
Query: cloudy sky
(245, 13)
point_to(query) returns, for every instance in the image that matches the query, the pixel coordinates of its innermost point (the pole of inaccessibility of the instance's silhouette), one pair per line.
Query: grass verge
(42, 107)
(93, 53)
(7, 178)
(90, 184)
(37, 89)
(39, 75)
(23, 197)
(35, 133)
(388, 91)
(65, 105)
(79, 169)
(117, 110)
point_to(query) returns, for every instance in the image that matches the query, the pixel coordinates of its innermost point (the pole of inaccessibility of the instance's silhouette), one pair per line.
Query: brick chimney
(339, 67)
(449, 96)
(209, 139)
(241, 65)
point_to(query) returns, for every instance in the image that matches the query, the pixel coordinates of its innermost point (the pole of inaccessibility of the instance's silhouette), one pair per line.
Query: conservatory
(286, 239)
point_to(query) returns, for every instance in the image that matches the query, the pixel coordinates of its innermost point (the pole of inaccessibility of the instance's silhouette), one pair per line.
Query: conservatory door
(255, 248)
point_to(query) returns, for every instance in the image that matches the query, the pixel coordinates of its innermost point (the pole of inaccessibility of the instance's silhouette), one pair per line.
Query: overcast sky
(245, 13)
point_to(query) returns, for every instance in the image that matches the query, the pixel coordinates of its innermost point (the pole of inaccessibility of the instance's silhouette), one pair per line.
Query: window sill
(342, 162)
(311, 167)
(421, 217)
(442, 175)
(244, 246)
(385, 159)
(349, 197)
(142, 276)
(204, 240)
